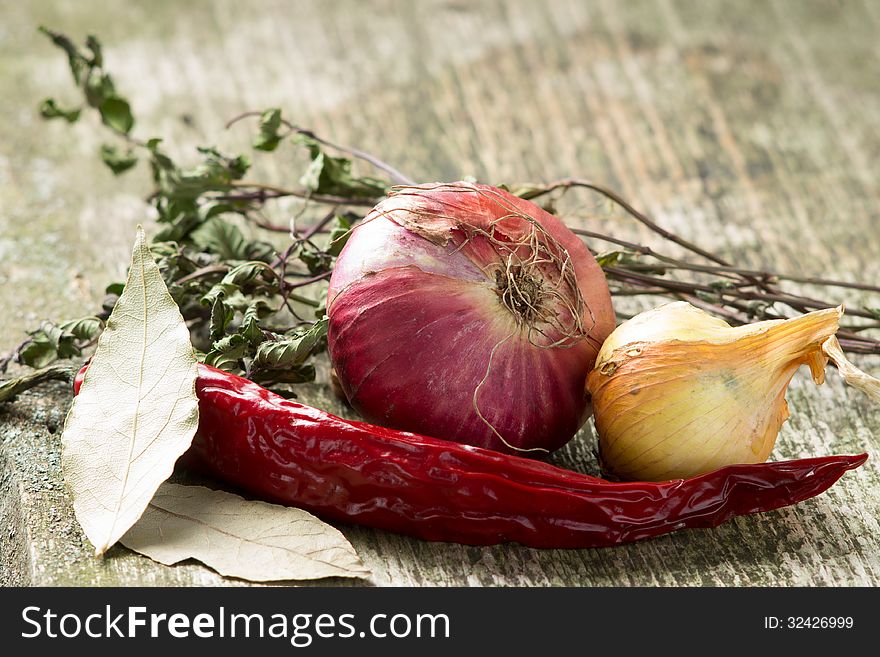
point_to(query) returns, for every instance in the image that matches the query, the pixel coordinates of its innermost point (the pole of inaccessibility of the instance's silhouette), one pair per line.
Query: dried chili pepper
(294, 454)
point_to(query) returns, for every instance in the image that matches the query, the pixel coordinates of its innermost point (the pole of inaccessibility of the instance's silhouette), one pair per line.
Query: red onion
(463, 312)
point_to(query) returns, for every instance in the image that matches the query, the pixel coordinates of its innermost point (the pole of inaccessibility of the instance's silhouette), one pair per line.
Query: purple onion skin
(415, 315)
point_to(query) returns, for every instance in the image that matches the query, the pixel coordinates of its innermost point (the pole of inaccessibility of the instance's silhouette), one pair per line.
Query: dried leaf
(292, 351)
(39, 352)
(118, 160)
(333, 175)
(256, 541)
(78, 63)
(49, 109)
(268, 138)
(223, 238)
(137, 410)
(116, 113)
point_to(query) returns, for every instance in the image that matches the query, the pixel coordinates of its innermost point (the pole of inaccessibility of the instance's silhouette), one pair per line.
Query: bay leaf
(251, 540)
(137, 410)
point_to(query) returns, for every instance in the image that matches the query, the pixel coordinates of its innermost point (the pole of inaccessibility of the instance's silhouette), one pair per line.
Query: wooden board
(748, 127)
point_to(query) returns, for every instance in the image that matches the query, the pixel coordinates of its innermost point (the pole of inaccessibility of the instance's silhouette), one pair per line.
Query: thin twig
(396, 176)
(308, 281)
(318, 226)
(210, 270)
(645, 220)
(58, 372)
(718, 269)
(691, 287)
(642, 218)
(267, 225)
(762, 280)
(264, 192)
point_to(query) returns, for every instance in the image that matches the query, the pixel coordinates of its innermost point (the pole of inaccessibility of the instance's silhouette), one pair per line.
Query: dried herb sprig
(250, 307)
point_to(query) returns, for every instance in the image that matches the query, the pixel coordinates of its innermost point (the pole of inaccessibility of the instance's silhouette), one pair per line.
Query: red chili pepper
(437, 490)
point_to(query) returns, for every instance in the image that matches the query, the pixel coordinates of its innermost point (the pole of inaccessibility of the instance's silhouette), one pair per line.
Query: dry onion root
(677, 392)
(850, 373)
(463, 312)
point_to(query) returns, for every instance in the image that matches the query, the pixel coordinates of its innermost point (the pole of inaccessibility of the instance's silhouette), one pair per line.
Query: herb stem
(396, 176)
(263, 192)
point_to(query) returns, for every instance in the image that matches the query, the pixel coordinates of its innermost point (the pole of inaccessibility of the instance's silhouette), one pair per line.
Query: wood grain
(752, 128)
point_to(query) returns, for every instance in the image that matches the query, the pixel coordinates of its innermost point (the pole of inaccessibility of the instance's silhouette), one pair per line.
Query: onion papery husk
(677, 393)
(463, 312)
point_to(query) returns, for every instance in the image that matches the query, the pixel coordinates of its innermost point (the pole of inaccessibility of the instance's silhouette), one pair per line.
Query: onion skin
(415, 315)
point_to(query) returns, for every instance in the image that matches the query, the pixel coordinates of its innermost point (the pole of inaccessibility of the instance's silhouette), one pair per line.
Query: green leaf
(527, 192)
(38, 353)
(180, 201)
(85, 328)
(339, 234)
(332, 175)
(98, 88)
(250, 326)
(53, 341)
(874, 311)
(229, 167)
(268, 137)
(220, 290)
(223, 238)
(282, 353)
(115, 288)
(94, 46)
(50, 110)
(221, 316)
(214, 173)
(182, 215)
(247, 272)
(226, 362)
(230, 344)
(212, 209)
(302, 373)
(117, 159)
(79, 65)
(116, 113)
(63, 341)
(292, 351)
(227, 353)
(163, 248)
(316, 260)
(255, 311)
(159, 159)
(609, 258)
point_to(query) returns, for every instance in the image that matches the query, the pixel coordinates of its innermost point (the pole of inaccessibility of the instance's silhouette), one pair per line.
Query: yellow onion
(677, 392)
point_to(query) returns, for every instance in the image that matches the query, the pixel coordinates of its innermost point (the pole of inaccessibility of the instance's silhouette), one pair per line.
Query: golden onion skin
(677, 393)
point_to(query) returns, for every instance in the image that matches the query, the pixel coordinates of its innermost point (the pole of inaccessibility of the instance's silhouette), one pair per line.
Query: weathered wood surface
(750, 127)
